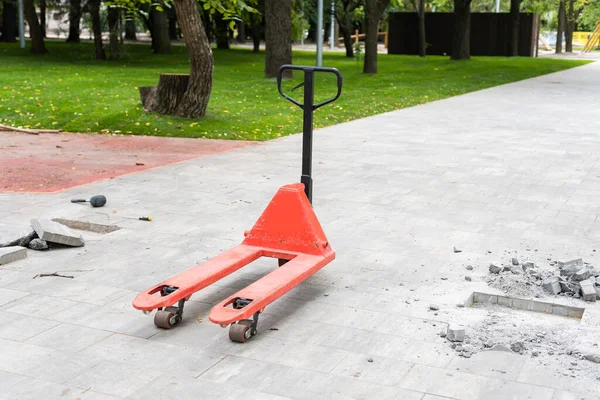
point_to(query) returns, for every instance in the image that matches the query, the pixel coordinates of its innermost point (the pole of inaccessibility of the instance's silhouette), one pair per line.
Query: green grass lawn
(69, 90)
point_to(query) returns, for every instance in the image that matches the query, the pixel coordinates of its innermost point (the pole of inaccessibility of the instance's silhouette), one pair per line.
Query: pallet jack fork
(288, 230)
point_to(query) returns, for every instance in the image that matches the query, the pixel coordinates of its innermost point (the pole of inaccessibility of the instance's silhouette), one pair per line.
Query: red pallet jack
(288, 230)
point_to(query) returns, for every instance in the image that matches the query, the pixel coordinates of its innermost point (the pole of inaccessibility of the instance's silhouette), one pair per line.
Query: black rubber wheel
(239, 333)
(164, 319)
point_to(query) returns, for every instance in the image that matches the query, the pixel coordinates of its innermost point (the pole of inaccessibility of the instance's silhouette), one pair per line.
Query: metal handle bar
(313, 69)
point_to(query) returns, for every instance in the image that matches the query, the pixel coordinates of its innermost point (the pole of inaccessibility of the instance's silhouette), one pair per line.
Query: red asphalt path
(54, 162)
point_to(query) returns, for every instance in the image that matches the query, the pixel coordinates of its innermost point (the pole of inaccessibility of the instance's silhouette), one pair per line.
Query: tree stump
(166, 97)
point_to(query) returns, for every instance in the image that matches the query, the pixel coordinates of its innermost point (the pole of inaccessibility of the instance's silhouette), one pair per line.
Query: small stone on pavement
(455, 333)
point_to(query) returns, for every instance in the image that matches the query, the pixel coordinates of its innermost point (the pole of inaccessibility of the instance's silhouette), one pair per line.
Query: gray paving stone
(54, 232)
(164, 357)
(22, 327)
(380, 370)
(12, 253)
(114, 379)
(9, 295)
(68, 337)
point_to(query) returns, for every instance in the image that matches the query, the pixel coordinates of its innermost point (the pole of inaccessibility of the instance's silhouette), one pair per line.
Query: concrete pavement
(508, 170)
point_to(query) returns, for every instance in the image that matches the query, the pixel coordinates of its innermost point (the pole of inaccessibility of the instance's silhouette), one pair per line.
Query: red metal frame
(287, 229)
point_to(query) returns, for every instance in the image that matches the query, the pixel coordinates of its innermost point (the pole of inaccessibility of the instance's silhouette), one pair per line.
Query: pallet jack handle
(308, 107)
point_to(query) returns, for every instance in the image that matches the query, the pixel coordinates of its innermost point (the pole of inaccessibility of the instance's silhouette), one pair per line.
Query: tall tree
(197, 94)
(172, 16)
(255, 22)
(515, 8)
(221, 32)
(569, 25)
(278, 36)
(94, 9)
(161, 43)
(421, 13)
(373, 12)
(113, 17)
(345, 16)
(43, 17)
(35, 29)
(561, 26)
(461, 41)
(9, 21)
(74, 21)
(130, 29)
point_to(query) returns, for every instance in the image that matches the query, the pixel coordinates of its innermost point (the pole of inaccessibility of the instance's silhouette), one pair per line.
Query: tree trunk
(43, 17)
(113, 28)
(461, 44)
(35, 30)
(348, 43)
(278, 36)
(94, 6)
(344, 19)
(172, 24)
(241, 27)
(421, 13)
(74, 21)
(373, 12)
(196, 97)
(255, 33)
(161, 44)
(9, 22)
(165, 97)
(130, 29)
(513, 43)
(561, 26)
(570, 26)
(222, 32)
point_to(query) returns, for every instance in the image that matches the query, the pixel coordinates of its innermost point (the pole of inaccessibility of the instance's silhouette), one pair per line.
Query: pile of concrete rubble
(46, 234)
(572, 278)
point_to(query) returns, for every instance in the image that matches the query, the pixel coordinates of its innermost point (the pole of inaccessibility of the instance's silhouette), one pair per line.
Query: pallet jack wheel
(164, 319)
(240, 332)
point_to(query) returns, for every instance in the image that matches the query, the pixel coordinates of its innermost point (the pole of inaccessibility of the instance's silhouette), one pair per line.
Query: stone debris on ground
(12, 253)
(455, 333)
(54, 232)
(545, 337)
(38, 244)
(572, 278)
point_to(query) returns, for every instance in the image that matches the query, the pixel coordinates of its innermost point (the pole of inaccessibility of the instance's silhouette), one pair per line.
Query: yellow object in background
(581, 38)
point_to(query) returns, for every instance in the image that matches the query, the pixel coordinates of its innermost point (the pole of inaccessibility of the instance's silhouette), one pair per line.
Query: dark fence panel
(490, 33)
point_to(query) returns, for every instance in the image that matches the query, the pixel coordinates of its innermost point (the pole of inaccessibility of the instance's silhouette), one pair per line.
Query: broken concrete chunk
(597, 289)
(598, 281)
(581, 275)
(468, 278)
(552, 285)
(23, 241)
(518, 347)
(588, 292)
(54, 232)
(515, 261)
(494, 269)
(595, 358)
(578, 262)
(38, 244)
(434, 307)
(567, 287)
(455, 333)
(12, 253)
(470, 267)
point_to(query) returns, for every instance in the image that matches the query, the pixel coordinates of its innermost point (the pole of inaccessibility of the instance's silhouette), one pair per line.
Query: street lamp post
(320, 33)
(21, 25)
